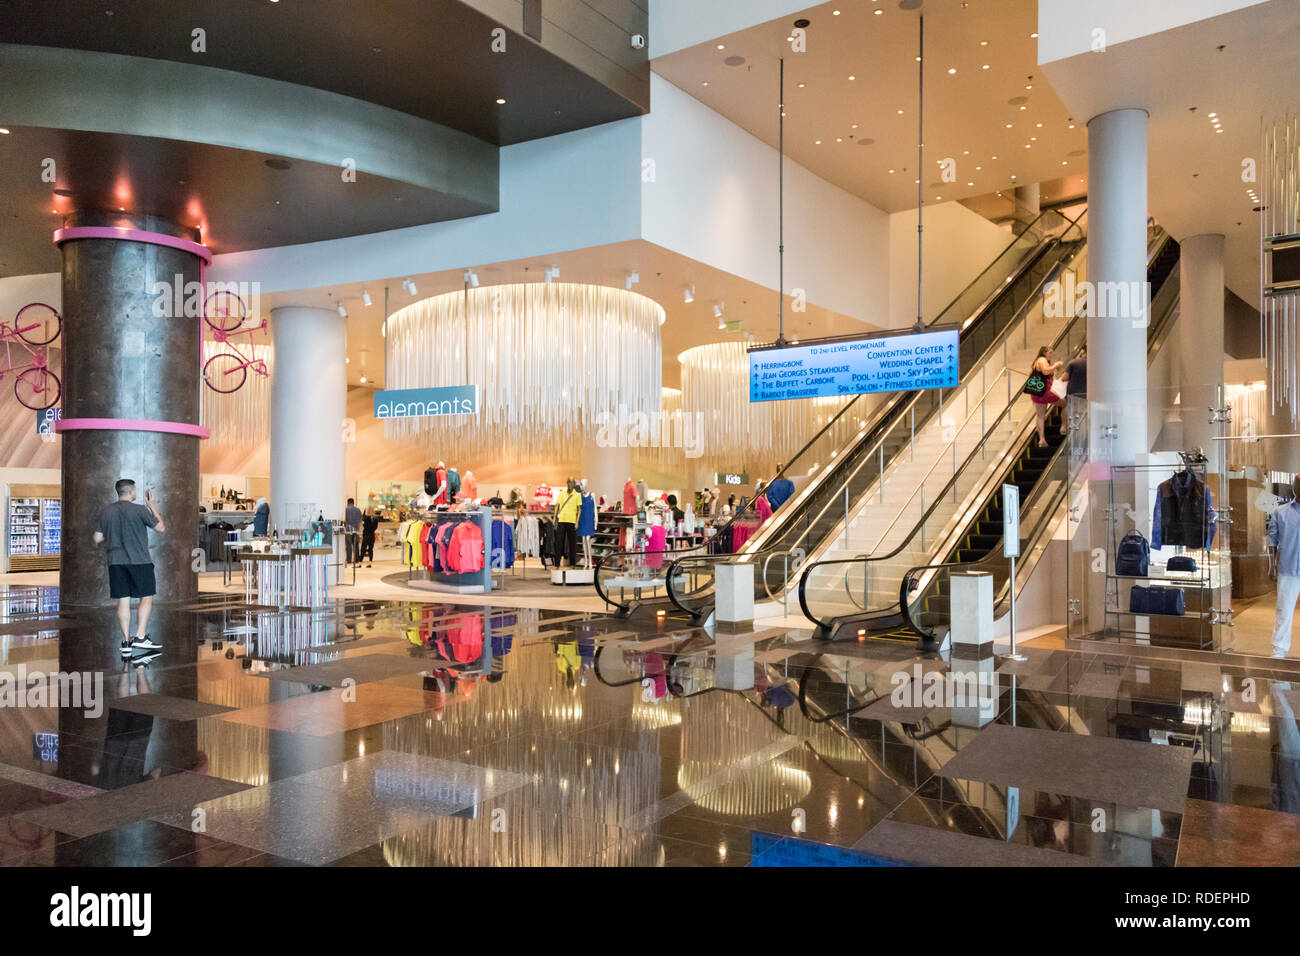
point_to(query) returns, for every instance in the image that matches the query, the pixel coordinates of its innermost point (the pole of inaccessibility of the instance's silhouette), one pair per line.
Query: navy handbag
(1157, 600)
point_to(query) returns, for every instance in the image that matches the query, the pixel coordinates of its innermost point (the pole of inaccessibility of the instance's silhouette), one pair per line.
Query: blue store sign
(427, 402)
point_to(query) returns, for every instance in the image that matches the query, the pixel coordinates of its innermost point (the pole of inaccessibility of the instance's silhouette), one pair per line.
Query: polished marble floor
(393, 733)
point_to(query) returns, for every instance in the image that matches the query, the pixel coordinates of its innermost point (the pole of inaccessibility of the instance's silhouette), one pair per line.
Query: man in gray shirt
(352, 528)
(123, 527)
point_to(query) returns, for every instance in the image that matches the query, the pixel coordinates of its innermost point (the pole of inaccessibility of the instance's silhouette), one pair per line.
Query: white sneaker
(145, 644)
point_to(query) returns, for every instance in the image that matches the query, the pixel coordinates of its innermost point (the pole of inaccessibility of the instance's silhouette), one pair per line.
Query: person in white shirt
(1284, 567)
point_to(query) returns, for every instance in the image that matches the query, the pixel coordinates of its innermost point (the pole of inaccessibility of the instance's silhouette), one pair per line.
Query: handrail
(911, 397)
(1159, 331)
(1021, 315)
(938, 499)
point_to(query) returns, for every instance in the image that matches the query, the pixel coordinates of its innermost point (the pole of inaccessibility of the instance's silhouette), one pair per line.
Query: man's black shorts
(131, 580)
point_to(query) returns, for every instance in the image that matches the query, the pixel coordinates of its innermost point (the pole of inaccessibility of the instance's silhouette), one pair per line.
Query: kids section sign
(427, 402)
(896, 362)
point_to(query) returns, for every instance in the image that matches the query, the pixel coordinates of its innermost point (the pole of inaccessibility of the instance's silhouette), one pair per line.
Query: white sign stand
(1011, 550)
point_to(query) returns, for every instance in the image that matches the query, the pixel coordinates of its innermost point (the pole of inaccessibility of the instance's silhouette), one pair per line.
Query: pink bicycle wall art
(226, 368)
(34, 327)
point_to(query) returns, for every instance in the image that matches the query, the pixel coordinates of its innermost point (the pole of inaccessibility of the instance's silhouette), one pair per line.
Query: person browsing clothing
(123, 528)
(352, 528)
(1045, 367)
(1284, 566)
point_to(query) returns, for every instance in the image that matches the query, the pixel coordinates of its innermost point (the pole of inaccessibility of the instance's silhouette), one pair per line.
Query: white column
(606, 469)
(1200, 338)
(1117, 319)
(1026, 204)
(308, 406)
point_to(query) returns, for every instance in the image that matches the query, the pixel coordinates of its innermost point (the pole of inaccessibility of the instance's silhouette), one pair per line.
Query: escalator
(840, 466)
(844, 600)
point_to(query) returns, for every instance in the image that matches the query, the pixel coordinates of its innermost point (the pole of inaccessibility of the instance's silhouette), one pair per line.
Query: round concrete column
(308, 406)
(129, 358)
(1027, 204)
(1117, 320)
(1200, 340)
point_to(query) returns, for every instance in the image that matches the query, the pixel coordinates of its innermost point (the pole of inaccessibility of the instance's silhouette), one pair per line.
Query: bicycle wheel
(225, 372)
(37, 388)
(224, 311)
(41, 327)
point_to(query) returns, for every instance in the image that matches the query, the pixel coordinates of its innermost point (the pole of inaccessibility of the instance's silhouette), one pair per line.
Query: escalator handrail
(938, 498)
(1159, 330)
(915, 396)
(889, 407)
(650, 582)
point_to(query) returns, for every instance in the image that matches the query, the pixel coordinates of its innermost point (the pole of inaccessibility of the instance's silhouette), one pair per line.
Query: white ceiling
(664, 277)
(967, 113)
(1194, 173)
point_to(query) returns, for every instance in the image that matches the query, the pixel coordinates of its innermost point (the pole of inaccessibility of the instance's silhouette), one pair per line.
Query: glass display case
(33, 526)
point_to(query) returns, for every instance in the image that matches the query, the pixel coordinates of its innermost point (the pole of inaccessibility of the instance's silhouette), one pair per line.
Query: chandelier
(715, 395)
(1279, 227)
(551, 362)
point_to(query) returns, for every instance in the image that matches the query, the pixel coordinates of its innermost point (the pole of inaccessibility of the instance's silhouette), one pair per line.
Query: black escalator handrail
(1021, 314)
(938, 500)
(895, 404)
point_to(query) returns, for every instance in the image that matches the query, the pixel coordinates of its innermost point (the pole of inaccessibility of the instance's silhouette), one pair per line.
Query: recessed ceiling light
(900, 112)
(839, 139)
(984, 67)
(3, 131)
(1033, 139)
(1071, 126)
(801, 86)
(852, 77)
(1008, 126)
(1039, 125)
(1065, 162)
(877, 12)
(970, 184)
(1029, 86)
(1033, 36)
(818, 143)
(363, 380)
(500, 102)
(1024, 107)
(952, 70)
(706, 82)
(995, 157)
(722, 46)
(978, 168)
(854, 126)
(835, 13)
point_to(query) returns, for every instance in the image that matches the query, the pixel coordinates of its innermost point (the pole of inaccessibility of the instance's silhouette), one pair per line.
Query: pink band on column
(129, 425)
(133, 235)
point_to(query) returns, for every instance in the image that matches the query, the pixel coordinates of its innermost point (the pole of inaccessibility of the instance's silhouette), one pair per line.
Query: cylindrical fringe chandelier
(552, 361)
(715, 394)
(1279, 226)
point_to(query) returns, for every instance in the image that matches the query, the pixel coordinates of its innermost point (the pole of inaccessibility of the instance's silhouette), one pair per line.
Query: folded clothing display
(1156, 600)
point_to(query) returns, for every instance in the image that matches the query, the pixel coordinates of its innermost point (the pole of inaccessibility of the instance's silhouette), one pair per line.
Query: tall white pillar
(1118, 316)
(308, 405)
(1200, 339)
(1027, 206)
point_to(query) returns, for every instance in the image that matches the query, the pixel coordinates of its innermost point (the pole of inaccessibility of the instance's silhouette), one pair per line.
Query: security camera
(638, 41)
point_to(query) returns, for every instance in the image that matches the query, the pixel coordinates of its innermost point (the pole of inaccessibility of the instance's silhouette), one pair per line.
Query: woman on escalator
(1043, 403)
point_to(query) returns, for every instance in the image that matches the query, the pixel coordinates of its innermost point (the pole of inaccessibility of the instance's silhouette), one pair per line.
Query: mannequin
(642, 494)
(586, 522)
(567, 508)
(629, 497)
(453, 485)
(469, 487)
(435, 484)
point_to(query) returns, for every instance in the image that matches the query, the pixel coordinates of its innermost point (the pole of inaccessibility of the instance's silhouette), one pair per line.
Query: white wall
(565, 192)
(714, 199)
(1065, 27)
(677, 24)
(957, 245)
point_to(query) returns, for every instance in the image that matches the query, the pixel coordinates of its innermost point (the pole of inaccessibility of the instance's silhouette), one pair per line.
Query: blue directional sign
(901, 361)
